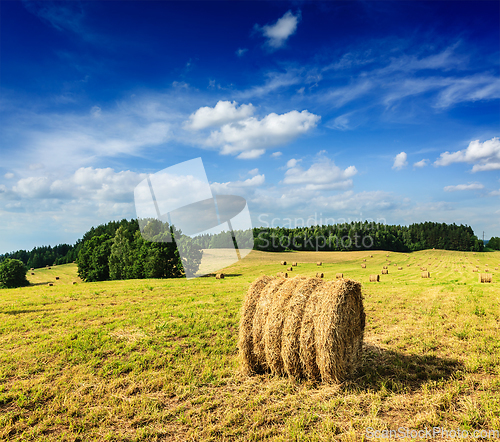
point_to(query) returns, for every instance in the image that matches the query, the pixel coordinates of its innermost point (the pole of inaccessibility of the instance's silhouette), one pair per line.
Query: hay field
(146, 360)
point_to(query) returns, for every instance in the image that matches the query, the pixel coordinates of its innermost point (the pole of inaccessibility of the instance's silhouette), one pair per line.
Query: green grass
(149, 360)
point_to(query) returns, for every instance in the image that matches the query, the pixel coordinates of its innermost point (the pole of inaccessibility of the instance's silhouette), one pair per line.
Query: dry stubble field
(157, 359)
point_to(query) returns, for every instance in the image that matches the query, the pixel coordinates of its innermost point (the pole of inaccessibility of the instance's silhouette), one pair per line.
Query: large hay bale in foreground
(485, 277)
(426, 275)
(302, 327)
(374, 278)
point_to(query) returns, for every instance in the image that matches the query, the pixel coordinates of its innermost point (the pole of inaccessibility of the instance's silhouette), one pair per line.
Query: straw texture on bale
(374, 278)
(339, 276)
(363, 266)
(385, 272)
(483, 277)
(219, 276)
(426, 275)
(319, 275)
(302, 327)
(319, 263)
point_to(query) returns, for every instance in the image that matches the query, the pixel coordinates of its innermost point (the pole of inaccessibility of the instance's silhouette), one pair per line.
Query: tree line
(117, 250)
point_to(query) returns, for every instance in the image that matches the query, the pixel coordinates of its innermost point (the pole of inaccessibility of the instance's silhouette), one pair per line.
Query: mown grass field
(149, 360)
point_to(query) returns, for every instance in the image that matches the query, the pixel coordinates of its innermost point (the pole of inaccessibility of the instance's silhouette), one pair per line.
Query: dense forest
(117, 250)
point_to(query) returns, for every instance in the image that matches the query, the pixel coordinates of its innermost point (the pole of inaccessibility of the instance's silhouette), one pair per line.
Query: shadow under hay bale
(302, 327)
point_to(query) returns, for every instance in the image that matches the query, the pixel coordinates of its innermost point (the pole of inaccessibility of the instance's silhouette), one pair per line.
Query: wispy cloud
(421, 163)
(460, 187)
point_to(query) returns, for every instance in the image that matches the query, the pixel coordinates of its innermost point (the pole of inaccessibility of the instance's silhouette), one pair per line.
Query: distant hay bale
(385, 272)
(57, 277)
(339, 276)
(483, 277)
(387, 255)
(364, 260)
(219, 276)
(496, 268)
(319, 263)
(294, 264)
(486, 265)
(49, 268)
(32, 273)
(477, 267)
(371, 256)
(289, 269)
(374, 278)
(282, 275)
(302, 327)
(363, 266)
(47, 265)
(474, 253)
(486, 270)
(320, 275)
(384, 267)
(50, 284)
(400, 268)
(74, 282)
(424, 269)
(426, 275)
(283, 263)
(408, 265)
(32, 269)
(475, 270)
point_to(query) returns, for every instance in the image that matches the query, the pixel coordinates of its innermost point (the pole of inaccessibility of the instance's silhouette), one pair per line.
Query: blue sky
(331, 111)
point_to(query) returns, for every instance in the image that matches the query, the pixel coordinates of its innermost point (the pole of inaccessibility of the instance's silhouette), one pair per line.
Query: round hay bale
(371, 256)
(486, 270)
(219, 276)
(385, 272)
(294, 264)
(364, 260)
(363, 266)
(475, 270)
(289, 269)
(400, 268)
(282, 275)
(374, 278)
(424, 269)
(50, 284)
(49, 268)
(302, 327)
(319, 275)
(319, 263)
(408, 265)
(245, 335)
(339, 276)
(477, 267)
(387, 255)
(32, 269)
(290, 339)
(496, 268)
(74, 282)
(32, 273)
(486, 265)
(57, 277)
(283, 263)
(484, 277)
(384, 267)
(426, 275)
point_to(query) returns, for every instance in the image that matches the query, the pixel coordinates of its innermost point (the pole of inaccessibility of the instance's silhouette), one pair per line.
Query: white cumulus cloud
(249, 137)
(276, 154)
(224, 112)
(421, 163)
(322, 175)
(278, 33)
(400, 161)
(470, 186)
(484, 155)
